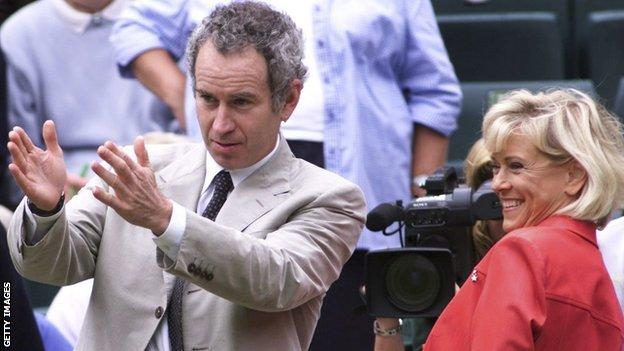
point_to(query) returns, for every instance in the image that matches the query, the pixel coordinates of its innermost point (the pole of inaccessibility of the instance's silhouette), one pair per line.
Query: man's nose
(223, 122)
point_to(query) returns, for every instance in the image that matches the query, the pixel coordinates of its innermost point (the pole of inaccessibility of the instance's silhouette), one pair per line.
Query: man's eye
(207, 99)
(241, 102)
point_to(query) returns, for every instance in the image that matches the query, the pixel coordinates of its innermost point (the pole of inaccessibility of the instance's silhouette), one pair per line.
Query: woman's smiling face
(531, 187)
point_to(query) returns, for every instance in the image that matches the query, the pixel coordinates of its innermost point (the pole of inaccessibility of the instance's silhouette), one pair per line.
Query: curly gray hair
(234, 27)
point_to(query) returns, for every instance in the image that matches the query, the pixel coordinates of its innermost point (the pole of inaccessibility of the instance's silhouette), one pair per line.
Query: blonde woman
(558, 168)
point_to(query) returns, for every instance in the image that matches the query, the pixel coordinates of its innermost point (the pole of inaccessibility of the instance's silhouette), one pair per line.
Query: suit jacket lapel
(264, 189)
(182, 180)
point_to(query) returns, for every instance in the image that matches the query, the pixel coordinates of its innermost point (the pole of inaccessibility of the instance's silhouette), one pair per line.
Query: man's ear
(292, 99)
(575, 179)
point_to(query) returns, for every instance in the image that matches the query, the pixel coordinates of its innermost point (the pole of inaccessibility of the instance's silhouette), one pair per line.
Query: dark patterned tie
(222, 186)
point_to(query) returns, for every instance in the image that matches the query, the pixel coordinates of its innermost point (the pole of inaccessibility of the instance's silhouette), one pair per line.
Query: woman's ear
(575, 179)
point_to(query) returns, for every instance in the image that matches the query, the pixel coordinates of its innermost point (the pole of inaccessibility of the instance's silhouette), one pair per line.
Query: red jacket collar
(584, 229)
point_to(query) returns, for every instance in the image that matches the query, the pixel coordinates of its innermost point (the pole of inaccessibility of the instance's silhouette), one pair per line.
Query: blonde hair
(566, 125)
(478, 169)
(477, 166)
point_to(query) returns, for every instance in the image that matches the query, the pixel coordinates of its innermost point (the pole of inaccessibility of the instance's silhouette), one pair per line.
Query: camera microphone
(382, 216)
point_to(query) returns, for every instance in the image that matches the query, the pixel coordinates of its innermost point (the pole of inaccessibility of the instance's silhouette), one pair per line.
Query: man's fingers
(141, 152)
(20, 178)
(121, 154)
(25, 139)
(15, 137)
(109, 178)
(118, 163)
(18, 156)
(107, 198)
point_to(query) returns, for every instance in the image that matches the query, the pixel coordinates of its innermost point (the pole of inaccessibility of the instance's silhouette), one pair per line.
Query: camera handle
(398, 203)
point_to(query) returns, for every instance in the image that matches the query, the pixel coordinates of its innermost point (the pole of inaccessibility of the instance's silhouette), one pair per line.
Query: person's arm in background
(149, 39)
(434, 98)
(431, 87)
(159, 73)
(428, 153)
(24, 108)
(23, 101)
(389, 343)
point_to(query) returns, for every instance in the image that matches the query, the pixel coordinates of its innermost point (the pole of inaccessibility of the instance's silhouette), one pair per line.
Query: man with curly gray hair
(226, 245)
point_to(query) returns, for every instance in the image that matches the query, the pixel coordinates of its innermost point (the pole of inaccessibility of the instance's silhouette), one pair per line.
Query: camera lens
(412, 282)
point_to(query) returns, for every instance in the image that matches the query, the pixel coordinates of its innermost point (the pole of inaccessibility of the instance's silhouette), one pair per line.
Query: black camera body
(419, 279)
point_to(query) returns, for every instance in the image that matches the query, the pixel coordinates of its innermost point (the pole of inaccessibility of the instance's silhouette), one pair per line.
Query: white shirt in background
(611, 244)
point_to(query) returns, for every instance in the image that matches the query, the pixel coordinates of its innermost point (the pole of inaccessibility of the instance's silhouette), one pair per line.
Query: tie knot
(223, 182)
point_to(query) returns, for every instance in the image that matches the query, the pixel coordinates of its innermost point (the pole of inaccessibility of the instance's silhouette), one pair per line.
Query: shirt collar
(238, 175)
(80, 21)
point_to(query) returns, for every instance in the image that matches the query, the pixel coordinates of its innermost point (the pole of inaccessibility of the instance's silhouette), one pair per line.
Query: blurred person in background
(7, 8)
(611, 244)
(558, 165)
(380, 101)
(60, 66)
(478, 169)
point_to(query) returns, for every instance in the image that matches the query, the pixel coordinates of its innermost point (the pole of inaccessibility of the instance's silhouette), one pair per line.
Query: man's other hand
(41, 174)
(136, 197)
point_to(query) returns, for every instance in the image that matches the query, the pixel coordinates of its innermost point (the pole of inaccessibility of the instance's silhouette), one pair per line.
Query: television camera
(418, 280)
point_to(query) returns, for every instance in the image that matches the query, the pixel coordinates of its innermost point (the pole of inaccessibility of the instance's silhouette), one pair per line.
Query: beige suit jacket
(256, 276)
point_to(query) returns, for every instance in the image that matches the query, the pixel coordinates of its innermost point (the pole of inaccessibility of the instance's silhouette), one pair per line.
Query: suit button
(191, 267)
(159, 312)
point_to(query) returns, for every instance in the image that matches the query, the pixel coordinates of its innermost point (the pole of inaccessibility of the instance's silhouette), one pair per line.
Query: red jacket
(539, 288)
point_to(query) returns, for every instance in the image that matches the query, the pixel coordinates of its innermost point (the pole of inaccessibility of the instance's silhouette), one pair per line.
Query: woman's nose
(500, 182)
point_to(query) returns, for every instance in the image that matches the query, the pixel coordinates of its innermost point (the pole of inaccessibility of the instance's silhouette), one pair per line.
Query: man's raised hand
(41, 174)
(136, 198)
